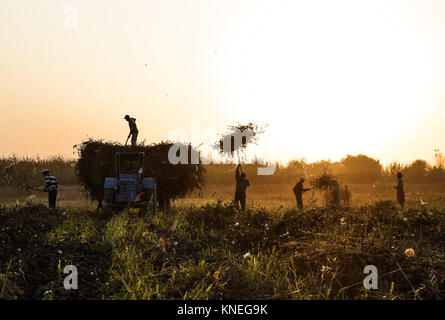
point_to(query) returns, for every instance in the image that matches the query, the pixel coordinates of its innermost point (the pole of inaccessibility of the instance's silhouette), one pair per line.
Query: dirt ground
(262, 195)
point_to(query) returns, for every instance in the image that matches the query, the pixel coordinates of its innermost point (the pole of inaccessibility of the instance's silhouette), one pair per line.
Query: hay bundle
(249, 134)
(97, 161)
(325, 181)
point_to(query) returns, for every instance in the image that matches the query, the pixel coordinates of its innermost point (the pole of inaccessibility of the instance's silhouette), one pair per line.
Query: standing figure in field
(241, 185)
(336, 197)
(7, 174)
(346, 197)
(298, 191)
(51, 188)
(328, 199)
(400, 190)
(133, 130)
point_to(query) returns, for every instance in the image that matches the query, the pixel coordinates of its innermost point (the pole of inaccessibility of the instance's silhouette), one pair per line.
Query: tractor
(129, 188)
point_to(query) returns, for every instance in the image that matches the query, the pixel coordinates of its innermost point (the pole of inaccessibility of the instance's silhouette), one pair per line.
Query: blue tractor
(129, 188)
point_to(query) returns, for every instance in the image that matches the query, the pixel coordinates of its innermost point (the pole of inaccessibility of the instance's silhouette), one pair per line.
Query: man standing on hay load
(133, 130)
(241, 185)
(298, 191)
(400, 190)
(51, 188)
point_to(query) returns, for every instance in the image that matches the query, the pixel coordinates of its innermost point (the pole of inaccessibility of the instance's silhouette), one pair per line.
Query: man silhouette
(51, 188)
(346, 197)
(241, 185)
(336, 196)
(400, 190)
(298, 191)
(133, 130)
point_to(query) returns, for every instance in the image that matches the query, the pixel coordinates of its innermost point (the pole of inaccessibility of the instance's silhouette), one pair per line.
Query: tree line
(350, 169)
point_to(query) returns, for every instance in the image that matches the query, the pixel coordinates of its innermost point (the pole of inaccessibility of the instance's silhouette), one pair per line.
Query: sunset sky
(329, 77)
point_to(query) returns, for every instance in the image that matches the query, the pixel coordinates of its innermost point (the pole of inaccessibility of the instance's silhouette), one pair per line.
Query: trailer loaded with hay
(97, 161)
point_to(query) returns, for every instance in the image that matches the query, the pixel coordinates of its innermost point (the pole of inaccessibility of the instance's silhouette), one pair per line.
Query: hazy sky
(330, 77)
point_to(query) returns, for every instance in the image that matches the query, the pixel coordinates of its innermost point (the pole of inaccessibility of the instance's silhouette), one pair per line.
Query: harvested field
(212, 251)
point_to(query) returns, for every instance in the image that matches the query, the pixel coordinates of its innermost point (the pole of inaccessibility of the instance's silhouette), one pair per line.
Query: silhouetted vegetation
(360, 169)
(97, 161)
(213, 251)
(29, 170)
(351, 169)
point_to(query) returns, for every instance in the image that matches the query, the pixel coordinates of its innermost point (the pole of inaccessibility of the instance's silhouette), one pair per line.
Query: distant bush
(391, 170)
(416, 172)
(436, 175)
(360, 169)
(419, 171)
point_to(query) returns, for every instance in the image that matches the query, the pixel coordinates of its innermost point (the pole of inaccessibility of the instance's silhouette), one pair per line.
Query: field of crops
(203, 248)
(212, 251)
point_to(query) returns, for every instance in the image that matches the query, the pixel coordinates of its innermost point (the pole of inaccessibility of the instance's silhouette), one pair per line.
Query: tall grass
(29, 170)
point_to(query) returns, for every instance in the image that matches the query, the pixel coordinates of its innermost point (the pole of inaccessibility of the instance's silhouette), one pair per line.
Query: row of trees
(363, 169)
(351, 169)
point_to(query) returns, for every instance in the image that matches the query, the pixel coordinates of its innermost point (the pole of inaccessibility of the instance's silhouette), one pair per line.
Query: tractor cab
(129, 165)
(129, 187)
(129, 174)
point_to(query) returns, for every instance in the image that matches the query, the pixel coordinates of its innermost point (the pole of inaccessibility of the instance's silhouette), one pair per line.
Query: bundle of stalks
(325, 181)
(249, 133)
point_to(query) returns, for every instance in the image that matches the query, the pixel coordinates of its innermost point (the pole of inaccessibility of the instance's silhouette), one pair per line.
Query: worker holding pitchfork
(241, 185)
(133, 130)
(298, 191)
(51, 188)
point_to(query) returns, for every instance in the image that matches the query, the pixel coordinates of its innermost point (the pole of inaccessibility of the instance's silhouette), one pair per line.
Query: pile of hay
(97, 161)
(325, 181)
(250, 133)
